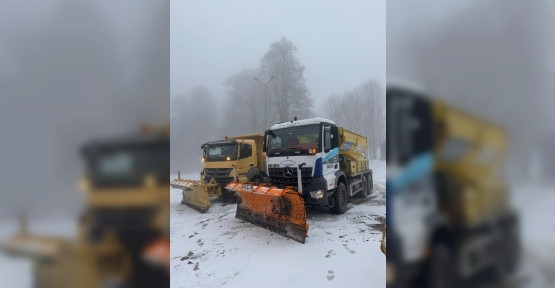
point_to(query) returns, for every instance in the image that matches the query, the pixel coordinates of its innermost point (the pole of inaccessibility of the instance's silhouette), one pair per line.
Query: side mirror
(327, 139)
(265, 140)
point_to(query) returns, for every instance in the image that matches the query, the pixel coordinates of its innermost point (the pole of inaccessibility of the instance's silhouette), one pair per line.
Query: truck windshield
(220, 153)
(303, 137)
(127, 166)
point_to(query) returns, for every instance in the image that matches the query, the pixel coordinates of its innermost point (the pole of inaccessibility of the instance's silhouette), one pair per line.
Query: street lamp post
(265, 114)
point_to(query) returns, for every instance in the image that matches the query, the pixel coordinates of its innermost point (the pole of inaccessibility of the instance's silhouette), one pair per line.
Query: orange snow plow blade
(158, 252)
(279, 210)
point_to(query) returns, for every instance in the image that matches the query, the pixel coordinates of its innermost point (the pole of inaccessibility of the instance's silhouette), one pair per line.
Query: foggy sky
(341, 43)
(490, 58)
(70, 72)
(407, 20)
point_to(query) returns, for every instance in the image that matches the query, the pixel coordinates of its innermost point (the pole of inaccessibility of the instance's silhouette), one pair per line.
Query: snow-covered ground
(340, 250)
(216, 249)
(535, 204)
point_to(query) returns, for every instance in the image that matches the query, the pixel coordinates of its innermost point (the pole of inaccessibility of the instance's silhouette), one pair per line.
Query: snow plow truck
(310, 162)
(123, 232)
(236, 158)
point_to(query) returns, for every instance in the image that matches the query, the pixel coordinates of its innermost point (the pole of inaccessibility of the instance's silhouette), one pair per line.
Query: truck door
(247, 160)
(330, 155)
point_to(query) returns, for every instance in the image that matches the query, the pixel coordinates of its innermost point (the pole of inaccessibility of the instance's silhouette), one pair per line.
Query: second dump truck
(332, 165)
(237, 157)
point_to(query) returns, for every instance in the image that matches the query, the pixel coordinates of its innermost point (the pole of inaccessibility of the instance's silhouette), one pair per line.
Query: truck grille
(281, 180)
(217, 172)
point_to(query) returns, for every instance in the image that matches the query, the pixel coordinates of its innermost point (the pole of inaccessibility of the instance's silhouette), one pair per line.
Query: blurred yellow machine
(447, 202)
(123, 234)
(236, 157)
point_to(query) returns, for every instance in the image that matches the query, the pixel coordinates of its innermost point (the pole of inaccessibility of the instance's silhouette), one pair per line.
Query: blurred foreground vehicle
(447, 202)
(234, 158)
(123, 235)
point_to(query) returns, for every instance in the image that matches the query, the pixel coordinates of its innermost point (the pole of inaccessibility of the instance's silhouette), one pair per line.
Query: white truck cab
(314, 142)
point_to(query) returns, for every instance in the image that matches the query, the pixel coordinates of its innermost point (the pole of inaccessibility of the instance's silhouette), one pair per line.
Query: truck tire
(364, 193)
(257, 179)
(370, 184)
(441, 271)
(341, 199)
(226, 196)
(509, 252)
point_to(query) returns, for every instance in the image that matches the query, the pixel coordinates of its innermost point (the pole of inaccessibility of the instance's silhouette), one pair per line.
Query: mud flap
(279, 210)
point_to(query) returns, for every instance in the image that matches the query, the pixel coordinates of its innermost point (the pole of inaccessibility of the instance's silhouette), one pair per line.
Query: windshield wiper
(288, 148)
(277, 149)
(295, 147)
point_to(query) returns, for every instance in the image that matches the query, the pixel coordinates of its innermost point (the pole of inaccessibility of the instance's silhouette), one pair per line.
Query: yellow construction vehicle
(332, 165)
(236, 157)
(447, 202)
(123, 235)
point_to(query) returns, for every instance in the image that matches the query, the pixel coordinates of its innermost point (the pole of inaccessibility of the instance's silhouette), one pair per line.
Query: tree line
(196, 118)
(361, 110)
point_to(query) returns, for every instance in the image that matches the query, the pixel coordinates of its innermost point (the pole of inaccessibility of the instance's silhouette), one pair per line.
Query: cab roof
(219, 143)
(130, 141)
(400, 83)
(303, 122)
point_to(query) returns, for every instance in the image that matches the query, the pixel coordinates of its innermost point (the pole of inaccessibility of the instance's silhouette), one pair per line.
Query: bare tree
(361, 110)
(244, 105)
(331, 108)
(287, 92)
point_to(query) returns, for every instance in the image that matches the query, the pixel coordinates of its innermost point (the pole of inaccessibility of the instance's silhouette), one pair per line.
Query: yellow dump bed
(353, 147)
(472, 150)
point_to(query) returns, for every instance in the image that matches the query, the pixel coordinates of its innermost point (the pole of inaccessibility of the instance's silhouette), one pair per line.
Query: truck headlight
(317, 194)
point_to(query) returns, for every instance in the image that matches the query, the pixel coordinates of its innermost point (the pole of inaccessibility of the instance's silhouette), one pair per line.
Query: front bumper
(222, 181)
(317, 183)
